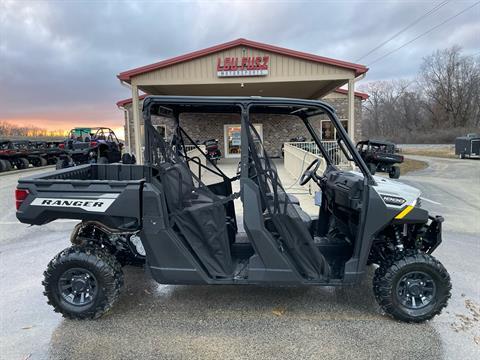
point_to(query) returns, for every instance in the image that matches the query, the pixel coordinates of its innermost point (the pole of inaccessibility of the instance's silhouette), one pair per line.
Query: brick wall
(277, 129)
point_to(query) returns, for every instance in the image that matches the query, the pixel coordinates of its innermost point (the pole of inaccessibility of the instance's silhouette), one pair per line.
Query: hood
(394, 188)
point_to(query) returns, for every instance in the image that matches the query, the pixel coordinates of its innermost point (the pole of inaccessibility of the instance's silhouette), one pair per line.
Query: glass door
(233, 139)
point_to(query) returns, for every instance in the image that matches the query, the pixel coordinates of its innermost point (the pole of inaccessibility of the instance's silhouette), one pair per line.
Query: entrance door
(232, 139)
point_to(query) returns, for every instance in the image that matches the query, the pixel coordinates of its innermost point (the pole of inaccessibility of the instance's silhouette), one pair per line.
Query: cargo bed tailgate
(80, 193)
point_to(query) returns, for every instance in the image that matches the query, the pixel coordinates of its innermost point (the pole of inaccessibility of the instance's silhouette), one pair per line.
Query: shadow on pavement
(154, 321)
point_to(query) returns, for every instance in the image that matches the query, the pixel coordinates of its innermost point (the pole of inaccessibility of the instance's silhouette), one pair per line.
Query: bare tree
(451, 85)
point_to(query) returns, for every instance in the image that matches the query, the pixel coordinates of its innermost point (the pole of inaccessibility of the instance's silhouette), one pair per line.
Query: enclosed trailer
(468, 146)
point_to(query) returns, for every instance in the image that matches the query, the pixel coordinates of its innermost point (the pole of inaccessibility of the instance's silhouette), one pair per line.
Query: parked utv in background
(380, 156)
(13, 155)
(90, 146)
(468, 146)
(184, 230)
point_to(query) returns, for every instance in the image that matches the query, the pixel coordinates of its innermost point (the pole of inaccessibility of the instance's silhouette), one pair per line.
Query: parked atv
(89, 146)
(212, 149)
(380, 156)
(51, 150)
(183, 231)
(35, 155)
(13, 156)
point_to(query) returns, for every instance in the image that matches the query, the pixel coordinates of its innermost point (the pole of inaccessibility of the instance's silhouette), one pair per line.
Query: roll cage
(173, 106)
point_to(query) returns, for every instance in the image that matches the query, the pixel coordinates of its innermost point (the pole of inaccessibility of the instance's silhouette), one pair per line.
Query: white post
(351, 109)
(128, 138)
(136, 125)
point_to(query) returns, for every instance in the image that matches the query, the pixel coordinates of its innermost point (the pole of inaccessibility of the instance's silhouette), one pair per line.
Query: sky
(59, 59)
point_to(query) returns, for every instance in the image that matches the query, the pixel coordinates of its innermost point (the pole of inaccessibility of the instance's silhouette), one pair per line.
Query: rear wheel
(372, 168)
(3, 165)
(394, 172)
(8, 165)
(83, 282)
(62, 163)
(22, 163)
(412, 287)
(43, 161)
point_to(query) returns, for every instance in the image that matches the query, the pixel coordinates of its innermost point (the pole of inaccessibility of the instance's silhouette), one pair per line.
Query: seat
(199, 217)
(307, 220)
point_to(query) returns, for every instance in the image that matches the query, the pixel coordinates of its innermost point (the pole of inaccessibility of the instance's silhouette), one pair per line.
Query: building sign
(242, 66)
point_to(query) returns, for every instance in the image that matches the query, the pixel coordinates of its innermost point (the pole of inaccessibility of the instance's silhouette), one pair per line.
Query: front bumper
(433, 234)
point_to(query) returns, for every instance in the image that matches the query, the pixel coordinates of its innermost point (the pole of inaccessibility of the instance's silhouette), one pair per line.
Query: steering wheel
(310, 172)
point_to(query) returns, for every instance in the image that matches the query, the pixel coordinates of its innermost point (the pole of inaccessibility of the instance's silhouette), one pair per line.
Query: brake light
(93, 143)
(61, 146)
(401, 157)
(20, 196)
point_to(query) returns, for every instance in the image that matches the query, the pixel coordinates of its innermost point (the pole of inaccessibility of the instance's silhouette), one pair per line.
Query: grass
(442, 152)
(410, 165)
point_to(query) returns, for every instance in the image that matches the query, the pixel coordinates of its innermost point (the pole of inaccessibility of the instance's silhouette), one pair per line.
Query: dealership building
(245, 68)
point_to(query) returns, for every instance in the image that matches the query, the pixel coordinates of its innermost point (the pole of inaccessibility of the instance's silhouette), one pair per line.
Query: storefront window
(328, 130)
(233, 140)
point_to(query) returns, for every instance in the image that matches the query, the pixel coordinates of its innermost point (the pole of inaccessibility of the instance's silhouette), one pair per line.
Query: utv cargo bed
(109, 193)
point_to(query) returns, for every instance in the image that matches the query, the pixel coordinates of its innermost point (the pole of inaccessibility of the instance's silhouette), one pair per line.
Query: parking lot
(154, 321)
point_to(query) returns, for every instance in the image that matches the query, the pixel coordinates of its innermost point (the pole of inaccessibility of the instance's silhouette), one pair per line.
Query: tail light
(93, 143)
(20, 196)
(61, 146)
(401, 157)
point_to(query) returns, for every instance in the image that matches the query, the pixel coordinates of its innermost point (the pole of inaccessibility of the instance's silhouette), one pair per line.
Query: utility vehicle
(185, 230)
(11, 155)
(90, 145)
(380, 156)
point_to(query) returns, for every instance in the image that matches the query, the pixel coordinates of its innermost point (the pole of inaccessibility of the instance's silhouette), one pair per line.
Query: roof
(127, 75)
(358, 94)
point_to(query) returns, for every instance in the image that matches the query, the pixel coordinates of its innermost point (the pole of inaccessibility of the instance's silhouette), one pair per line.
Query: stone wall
(277, 129)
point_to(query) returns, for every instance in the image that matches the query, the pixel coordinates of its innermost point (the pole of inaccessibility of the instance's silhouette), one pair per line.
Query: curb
(13, 172)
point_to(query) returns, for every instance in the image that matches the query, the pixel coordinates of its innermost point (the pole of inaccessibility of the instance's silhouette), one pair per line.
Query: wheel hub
(77, 286)
(416, 290)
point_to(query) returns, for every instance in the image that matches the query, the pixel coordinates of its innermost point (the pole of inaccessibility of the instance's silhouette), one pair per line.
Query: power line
(424, 33)
(435, 8)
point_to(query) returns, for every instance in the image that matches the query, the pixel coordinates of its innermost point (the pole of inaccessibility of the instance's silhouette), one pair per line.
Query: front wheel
(412, 287)
(372, 168)
(83, 282)
(394, 172)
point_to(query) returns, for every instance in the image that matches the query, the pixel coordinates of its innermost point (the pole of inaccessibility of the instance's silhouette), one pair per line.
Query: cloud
(58, 60)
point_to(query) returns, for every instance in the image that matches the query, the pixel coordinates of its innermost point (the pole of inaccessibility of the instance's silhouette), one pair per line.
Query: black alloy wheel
(83, 282)
(78, 286)
(412, 286)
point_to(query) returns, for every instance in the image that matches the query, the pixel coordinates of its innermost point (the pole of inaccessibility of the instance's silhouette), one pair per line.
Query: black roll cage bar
(301, 108)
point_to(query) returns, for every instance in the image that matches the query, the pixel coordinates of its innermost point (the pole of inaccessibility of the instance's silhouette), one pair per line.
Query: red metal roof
(127, 75)
(361, 95)
(124, 102)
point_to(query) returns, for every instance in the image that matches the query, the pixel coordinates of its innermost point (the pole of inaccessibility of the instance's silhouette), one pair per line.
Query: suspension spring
(398, 238)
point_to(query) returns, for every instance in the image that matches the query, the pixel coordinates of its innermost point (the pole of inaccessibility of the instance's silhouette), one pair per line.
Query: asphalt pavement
(153, 321)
